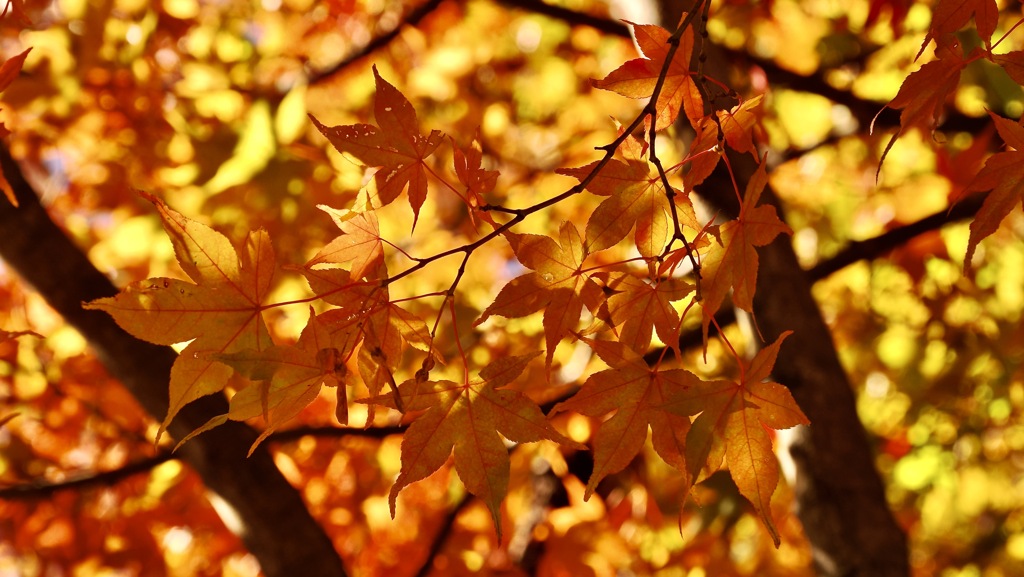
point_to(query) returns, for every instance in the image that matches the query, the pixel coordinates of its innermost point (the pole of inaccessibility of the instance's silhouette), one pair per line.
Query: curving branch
(38, 490)
(43, 489)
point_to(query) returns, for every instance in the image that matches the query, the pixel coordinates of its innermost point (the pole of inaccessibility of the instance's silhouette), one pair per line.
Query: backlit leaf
(471, 418)
(221, 309)
(395, 145)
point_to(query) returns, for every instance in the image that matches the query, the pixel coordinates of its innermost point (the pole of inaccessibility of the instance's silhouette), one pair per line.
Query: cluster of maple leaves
(697, 426)
(220, 310)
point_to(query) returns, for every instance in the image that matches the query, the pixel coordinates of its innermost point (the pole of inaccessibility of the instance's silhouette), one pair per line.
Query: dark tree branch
(29, 491)
(297, 433)
(414, 17)
(37, 490)
(569, 16)
(447, 526)
(886, 242)
(278, 528)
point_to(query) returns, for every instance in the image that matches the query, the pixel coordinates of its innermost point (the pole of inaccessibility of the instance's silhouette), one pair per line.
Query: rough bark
(275, 524)
(840, 497)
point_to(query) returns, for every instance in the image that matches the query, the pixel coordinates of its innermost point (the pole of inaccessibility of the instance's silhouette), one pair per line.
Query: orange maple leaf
(732, 263)
(479, 182)
(557, 285)
(358, 244)
(1003, 174)
(288, 377)
(636, 198)
(221, 311)
(731, 426)
(637, 78)
(642, 307)
(468, 164)
(396, 147)
(468, 418)
(638, 394)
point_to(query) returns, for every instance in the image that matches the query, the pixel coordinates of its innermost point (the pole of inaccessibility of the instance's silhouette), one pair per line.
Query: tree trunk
(275, 524)
(840, 497)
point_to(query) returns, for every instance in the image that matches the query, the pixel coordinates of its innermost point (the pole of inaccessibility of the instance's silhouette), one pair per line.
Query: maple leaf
(637, 78)
(704, 154)
(636, 198)
(556, 286)
(289, 377)
(358, 244)
(641, 307)
(1003, 174)
(731, 426)
(396, 147)
(637, 393)
(221, 311)
(468, 164)
(922, 97)
(737, 124)
(386, 327)
(948, 16)
(468, 418)
(1012, 63)
(732, 263)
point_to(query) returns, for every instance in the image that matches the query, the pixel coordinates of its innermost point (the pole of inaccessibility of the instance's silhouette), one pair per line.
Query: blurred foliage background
(205, 104)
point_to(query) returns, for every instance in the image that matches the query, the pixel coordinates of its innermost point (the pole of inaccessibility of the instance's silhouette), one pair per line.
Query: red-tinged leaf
(897, 9)
(922, 97)
(949, 16)
(732, 264)
(468, 164)
(637, 393)
(5, 186)
(358, 244)
(11, 67)
(734, 415)
(396, 146)
(470, 418)
(704, 154)
(1012, 63)
(637, 78)
(222, 311)
(963, 166)
(639, 308)
(294, 375)
(1003, 174)
(9, 70)
(555, 286)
